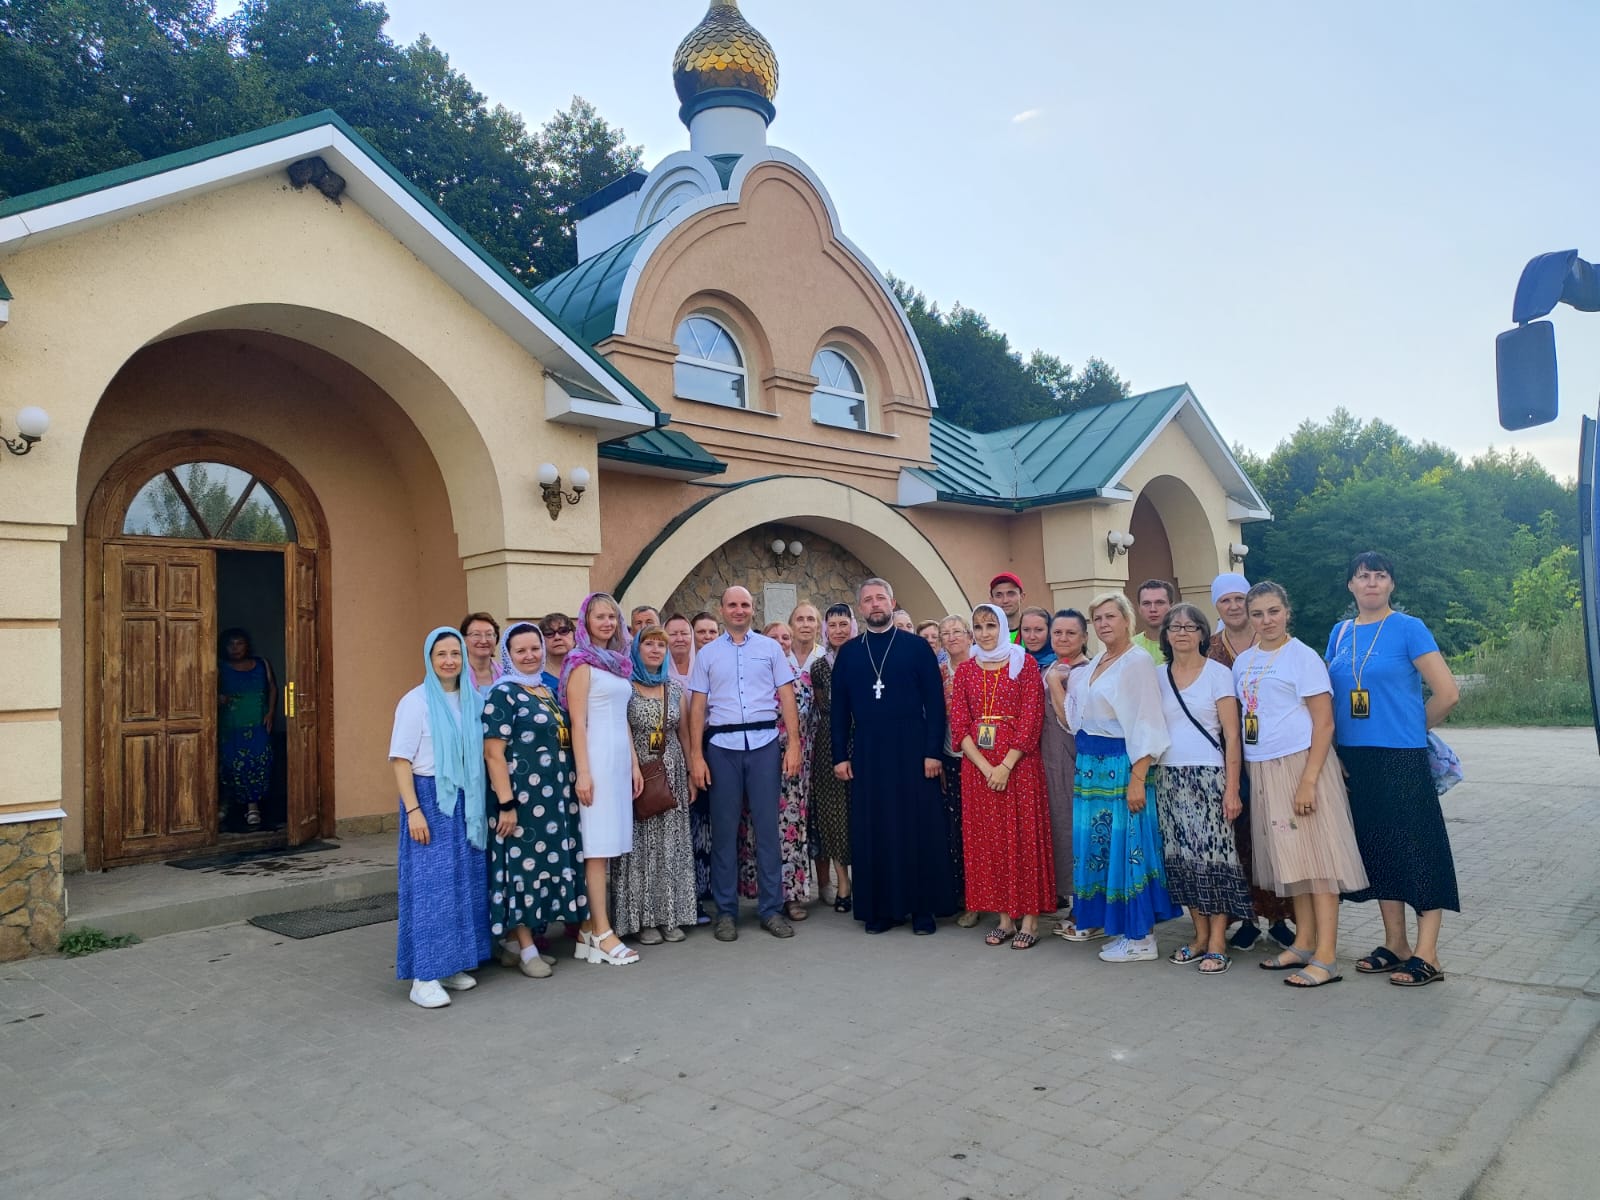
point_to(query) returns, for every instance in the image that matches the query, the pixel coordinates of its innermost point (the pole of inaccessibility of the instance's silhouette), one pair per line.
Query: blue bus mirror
(1525, 373)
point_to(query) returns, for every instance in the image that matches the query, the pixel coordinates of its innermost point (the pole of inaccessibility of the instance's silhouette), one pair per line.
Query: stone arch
(865, 526)
(1191, 549)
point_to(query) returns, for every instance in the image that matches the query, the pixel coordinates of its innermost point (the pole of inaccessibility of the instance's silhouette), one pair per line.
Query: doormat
(213, 862)
(305, 923)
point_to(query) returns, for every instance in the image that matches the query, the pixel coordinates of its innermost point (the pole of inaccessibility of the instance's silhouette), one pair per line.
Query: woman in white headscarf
(996, 713)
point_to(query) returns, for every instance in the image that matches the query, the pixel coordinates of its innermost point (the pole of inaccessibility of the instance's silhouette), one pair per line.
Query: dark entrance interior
(250, 591)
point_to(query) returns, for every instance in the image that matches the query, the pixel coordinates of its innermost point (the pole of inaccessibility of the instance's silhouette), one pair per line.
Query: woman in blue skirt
(436, 750)
(1114, 709)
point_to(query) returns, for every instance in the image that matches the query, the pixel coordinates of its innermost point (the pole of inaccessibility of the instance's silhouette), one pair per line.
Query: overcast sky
(1288, 206)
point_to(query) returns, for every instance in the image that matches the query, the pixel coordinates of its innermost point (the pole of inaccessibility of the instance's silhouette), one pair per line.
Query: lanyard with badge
(1250, 690)
(1360, 698)
(988, 720)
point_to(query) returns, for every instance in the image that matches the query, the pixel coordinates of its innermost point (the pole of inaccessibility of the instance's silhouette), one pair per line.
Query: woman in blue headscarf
(654, 882)
(436, 750)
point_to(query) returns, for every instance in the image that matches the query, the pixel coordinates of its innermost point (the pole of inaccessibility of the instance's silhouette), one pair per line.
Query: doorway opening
(250, 601)
(207, 630)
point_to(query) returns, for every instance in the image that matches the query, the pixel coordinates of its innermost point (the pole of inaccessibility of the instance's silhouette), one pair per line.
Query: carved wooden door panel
(159, 740)
(301, 695)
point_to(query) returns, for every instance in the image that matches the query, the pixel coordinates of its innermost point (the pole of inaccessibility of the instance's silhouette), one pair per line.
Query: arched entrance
(1173, 540)
(869, 529)
(186, 534)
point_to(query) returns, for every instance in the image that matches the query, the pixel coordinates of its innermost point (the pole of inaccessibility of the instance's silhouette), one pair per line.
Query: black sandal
(842, 904)
(999, 936)
(1418, 972)
(1380, 962)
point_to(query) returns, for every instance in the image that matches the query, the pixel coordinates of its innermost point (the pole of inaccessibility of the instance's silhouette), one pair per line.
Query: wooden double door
(159, 701)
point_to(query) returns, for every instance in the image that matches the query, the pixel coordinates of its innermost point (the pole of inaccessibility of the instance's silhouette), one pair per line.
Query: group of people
(636, 777)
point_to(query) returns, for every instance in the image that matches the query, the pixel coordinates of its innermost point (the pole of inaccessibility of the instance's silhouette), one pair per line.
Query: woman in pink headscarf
(595, 690)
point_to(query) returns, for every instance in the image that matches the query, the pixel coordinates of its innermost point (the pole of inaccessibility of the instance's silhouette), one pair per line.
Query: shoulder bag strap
(1204, 732)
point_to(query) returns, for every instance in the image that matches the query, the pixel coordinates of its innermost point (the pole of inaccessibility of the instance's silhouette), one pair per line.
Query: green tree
(1541, 595)
(983, 383)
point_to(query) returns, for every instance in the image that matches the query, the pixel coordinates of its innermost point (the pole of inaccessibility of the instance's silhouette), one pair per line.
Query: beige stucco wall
(395, 572)
(454, 407)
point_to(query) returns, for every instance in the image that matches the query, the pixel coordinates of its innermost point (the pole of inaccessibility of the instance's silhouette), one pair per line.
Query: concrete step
(157, 898)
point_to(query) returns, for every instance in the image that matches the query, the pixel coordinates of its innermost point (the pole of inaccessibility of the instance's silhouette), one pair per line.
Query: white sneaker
(426, 993)
(459, 982)
(1126, 949)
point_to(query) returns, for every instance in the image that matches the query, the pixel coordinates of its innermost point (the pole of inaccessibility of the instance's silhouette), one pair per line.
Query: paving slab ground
(231, 1062)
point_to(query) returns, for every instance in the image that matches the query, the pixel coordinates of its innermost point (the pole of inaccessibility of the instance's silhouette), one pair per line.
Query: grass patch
(89, 940)
(1530, 678)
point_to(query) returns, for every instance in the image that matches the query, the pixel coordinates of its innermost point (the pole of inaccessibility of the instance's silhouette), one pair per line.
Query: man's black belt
(747, 727)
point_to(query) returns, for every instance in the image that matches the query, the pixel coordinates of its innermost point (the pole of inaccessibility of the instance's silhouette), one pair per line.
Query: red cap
(1005, 577)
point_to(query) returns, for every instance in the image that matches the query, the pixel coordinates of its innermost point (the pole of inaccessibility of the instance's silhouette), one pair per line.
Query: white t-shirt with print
(1189, 748)
(1280, 680)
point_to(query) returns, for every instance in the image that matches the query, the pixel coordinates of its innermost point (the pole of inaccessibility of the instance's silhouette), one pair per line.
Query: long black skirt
(1399, 828)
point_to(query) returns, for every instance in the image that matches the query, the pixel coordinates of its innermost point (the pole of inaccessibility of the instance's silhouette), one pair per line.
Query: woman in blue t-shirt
(1378, 663)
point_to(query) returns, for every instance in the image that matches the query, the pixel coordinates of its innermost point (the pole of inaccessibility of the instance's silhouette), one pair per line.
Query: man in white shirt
(738, 686)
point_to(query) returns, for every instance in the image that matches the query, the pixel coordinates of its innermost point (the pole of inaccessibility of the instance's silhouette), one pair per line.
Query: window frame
(863, 398)
(740, 372)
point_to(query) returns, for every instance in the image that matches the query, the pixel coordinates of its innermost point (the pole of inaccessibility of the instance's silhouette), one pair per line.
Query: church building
(286, 393)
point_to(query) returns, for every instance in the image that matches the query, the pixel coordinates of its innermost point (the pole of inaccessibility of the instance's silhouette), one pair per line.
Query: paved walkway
(231, 1062)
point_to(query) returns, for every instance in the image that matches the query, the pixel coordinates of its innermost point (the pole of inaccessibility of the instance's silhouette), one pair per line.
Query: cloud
(1026, 115)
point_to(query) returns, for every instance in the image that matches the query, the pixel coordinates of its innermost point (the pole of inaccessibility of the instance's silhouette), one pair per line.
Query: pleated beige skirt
(1295, 854)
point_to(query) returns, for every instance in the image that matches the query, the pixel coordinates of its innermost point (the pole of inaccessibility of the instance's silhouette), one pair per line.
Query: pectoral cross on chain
(877, 690)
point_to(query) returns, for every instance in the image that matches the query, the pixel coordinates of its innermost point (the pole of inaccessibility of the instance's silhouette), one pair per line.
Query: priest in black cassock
(888, 737)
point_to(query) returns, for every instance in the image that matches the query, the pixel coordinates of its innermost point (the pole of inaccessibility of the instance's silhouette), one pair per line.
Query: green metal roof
(723, 164)
(1068, 457)
(584, 298)
(665, 450)
(5, 292)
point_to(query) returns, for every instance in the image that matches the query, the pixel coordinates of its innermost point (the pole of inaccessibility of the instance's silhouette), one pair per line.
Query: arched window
(709, 367)
(840, 398)
(209, 501)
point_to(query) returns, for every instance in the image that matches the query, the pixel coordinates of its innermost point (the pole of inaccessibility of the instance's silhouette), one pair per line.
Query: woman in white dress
(595, 691)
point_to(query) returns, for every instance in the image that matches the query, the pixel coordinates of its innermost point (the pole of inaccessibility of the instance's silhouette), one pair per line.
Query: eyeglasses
(557, 630)
(1183, 629)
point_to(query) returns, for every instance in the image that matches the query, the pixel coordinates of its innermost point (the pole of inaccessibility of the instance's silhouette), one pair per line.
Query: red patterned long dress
(1005, 835)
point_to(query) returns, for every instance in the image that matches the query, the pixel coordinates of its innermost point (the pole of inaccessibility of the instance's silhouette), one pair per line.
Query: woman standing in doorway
(1069, 635)
(1305, 847)
(655, 895)
(535, 852)
(830, 795)
(595, 692)
(247, 704)
(1378, 663)
(436, 750)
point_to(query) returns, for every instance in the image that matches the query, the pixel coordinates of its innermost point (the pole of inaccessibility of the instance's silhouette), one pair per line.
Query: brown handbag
(656, 796)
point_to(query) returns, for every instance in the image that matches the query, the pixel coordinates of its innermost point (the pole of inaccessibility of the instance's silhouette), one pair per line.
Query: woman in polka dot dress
(534, 873)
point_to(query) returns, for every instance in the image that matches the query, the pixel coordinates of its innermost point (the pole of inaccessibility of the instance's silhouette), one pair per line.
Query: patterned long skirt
(1203, 868)
(952, 815)
(1119, 878)
(444, 894)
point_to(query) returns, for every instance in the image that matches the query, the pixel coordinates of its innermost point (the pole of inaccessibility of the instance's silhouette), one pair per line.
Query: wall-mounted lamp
(550, 486)
(1117, 543)
(780, 547)
(31, 424)
(1236, 553)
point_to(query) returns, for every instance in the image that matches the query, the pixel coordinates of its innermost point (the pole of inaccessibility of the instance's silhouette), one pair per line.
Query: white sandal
(1069, 930)
(620, 957)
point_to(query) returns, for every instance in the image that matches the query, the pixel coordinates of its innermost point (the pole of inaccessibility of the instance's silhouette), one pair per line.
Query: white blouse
(1125, 702)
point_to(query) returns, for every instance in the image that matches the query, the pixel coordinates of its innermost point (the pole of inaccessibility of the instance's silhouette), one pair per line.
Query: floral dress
(534, 872)
(793, 810)
(654, 884)
(829, 815)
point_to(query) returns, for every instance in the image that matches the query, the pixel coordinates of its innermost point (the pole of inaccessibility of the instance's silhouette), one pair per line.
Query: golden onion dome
(725, 54)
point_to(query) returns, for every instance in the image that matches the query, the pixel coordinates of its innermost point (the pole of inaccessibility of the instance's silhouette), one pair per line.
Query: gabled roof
(1081, 455)
(608, 402)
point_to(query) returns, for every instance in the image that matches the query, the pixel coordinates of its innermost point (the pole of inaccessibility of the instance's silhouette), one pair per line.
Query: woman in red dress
(996, 713)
